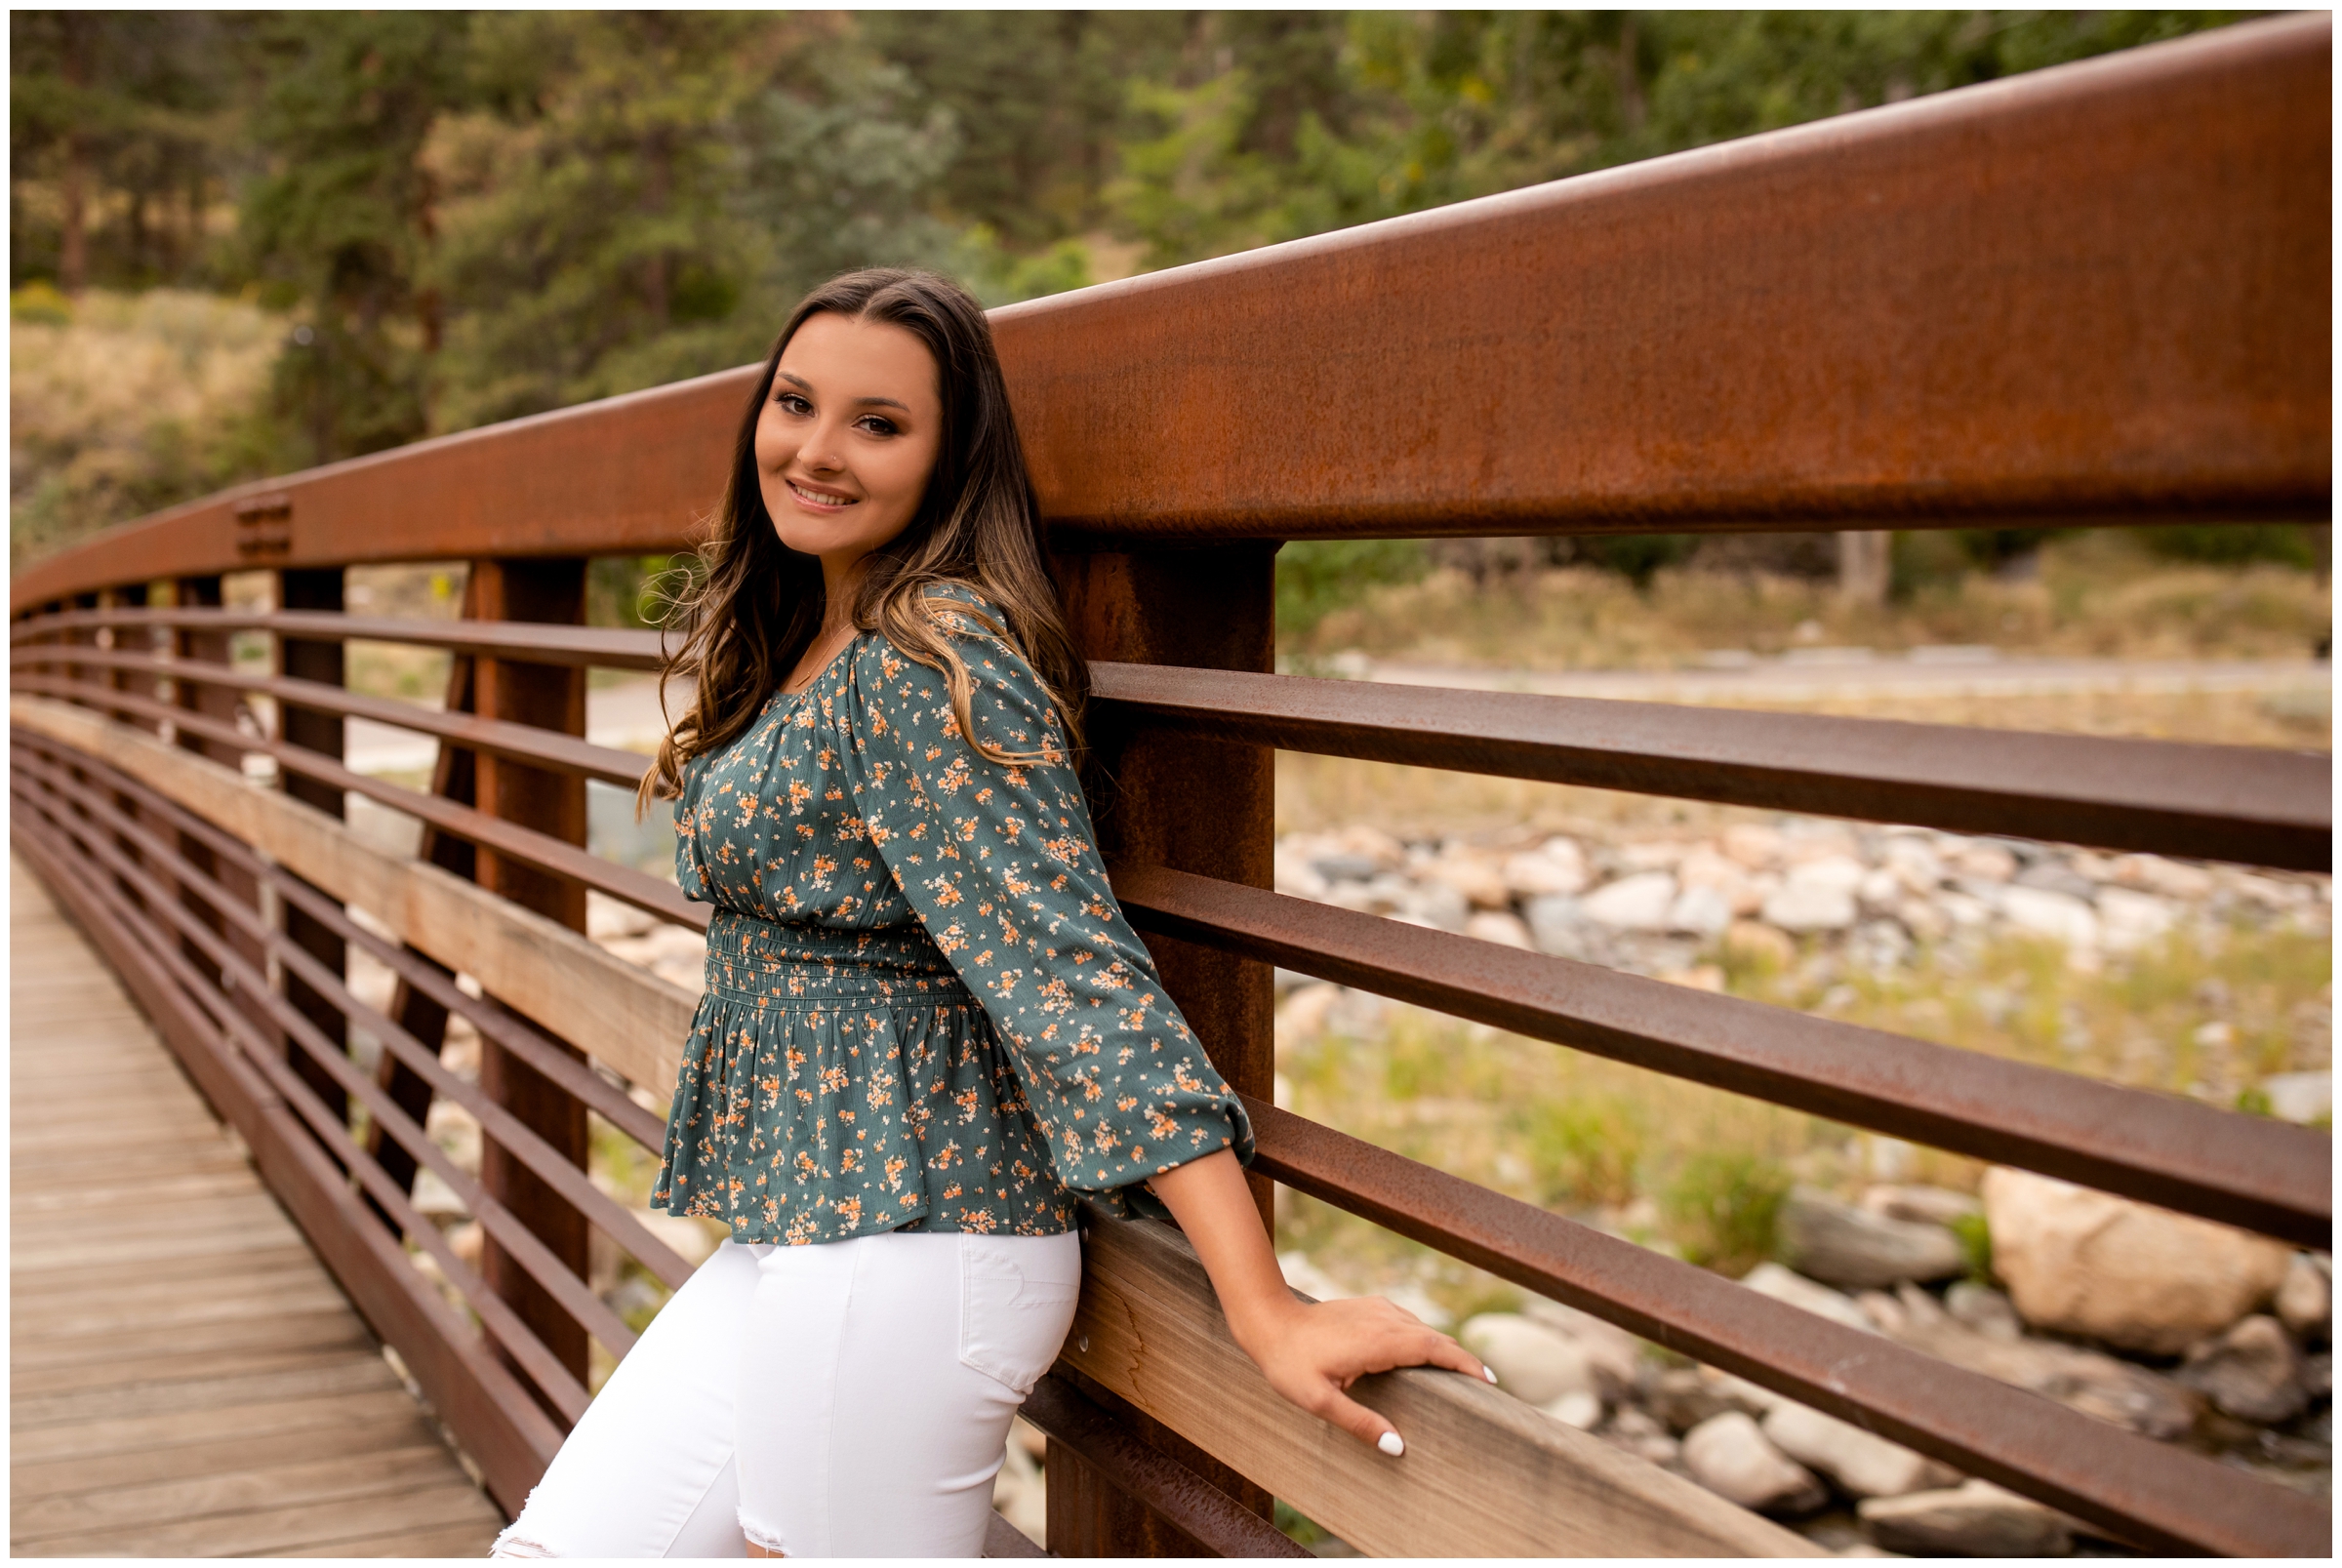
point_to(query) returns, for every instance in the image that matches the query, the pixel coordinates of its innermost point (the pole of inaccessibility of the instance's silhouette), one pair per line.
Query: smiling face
(847, 439)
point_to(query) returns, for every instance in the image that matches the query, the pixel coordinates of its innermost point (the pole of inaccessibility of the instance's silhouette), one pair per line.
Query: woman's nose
(821, 448)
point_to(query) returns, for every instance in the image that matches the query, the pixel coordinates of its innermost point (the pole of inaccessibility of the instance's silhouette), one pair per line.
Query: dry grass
(134, 402)
(2097, 595)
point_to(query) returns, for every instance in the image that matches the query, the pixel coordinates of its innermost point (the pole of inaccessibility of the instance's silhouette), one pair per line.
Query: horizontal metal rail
(2253, 804)
(525, 742)
(497, 1124)
(2248, 1170)
(1789, 331)
(503, 1426)
(522, 641)
(2159, 1498)
(510, 840)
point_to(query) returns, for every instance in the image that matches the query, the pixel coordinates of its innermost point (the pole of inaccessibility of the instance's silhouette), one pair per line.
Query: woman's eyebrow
(802, 385)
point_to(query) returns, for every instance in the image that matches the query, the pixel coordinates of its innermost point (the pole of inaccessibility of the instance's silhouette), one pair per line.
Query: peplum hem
(839, 1083)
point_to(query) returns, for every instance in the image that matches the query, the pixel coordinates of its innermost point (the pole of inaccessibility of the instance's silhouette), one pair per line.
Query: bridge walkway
(186, 1378)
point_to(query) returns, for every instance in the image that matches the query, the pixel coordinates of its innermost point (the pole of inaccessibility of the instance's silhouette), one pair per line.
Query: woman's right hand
(1312, 1352)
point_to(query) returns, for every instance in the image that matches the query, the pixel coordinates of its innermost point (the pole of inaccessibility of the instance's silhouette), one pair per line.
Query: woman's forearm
(1213, 1205)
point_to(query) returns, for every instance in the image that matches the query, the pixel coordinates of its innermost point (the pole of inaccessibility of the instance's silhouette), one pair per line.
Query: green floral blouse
(924, 1009)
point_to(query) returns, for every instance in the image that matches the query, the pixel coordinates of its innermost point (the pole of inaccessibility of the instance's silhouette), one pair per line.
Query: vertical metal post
(1195, 805)
(204, 645)
(553, 698)
(303, 659)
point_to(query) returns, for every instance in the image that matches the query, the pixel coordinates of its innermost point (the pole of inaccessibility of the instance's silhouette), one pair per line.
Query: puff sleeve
(1001, 865)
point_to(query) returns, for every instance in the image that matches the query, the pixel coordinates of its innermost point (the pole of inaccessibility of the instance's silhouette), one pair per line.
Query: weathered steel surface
(2161, 1497)
(2244, 1170)
(2096, 291)
(2235, 803)
(520, 641)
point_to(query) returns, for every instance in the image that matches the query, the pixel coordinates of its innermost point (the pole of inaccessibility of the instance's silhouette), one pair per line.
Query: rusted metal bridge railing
(2100, 294)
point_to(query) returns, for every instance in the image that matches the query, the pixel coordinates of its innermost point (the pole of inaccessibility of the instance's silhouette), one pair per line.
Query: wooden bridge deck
(186, 1380)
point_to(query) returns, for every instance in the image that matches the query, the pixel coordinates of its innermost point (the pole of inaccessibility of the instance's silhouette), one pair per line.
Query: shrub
(1723, 1208)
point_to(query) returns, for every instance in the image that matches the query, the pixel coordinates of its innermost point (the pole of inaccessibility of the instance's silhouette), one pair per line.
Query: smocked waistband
(769, 962)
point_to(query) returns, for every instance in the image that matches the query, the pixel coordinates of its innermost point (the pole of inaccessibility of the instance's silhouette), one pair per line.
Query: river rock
(1786, 1285)
(2253, 1371)
(1499, 926)
(2082, 1261)
(1535, 1364)
(1862, 1464)
(1683, 1397)
(1638, 902)
(2300, 1097)
(1702, 911)
(1986, 1310)
(2060, 916)
(1976, 1519)
(2090, 1381)
(1480, 881)
(1557, 925)
(1642, 1436)
(1840, 1244)
(1806, 906)
(1614, 1354)
(1559, 866)
(1732, 1457)
(1924, 1205)
(2305, 1302)
(2129, 920)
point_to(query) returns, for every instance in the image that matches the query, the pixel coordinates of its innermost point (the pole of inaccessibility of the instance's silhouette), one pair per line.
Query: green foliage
(1976, 1243)
(1723, 1207)
(1585, 1151)
(2236, 544)
(1317, 577)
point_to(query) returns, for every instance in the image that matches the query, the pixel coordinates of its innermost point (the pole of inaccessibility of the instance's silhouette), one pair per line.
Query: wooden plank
(88, 1441)
(68, 1314)
(343, 1375)
(197, 1498)
(404, 1429)
(447, 1541)
(623, 1016)
(195, 1266)
(149, 1373)
(310, 1529)
(331, 1327)
(1483, 1474)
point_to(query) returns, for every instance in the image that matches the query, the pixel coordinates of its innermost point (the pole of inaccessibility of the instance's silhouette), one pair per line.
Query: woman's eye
(792, 403)
(877, 424)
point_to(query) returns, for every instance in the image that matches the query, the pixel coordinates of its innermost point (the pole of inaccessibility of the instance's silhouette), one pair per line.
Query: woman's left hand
(1312, 1352)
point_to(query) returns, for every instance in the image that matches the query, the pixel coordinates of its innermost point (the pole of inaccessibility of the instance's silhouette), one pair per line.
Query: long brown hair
(758, 605)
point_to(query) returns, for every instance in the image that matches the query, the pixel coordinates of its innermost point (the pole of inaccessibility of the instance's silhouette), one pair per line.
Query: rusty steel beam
(2095, 293)
(553, 856)
(2160, 1498)
(2253, 804)
(529, 743)
(2243, 1170)
(520, 641)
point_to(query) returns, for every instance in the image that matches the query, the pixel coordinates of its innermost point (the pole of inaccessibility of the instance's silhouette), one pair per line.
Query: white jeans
(841, 1400)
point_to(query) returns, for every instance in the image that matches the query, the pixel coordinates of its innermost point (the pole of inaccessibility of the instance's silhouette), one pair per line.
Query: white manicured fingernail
(1391, 1444)
(1489, 1373)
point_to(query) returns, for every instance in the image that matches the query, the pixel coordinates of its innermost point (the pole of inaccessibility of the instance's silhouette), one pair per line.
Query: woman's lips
(821, 500)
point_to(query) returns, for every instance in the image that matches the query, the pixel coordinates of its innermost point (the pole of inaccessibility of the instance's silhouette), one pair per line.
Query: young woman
(928, 1029)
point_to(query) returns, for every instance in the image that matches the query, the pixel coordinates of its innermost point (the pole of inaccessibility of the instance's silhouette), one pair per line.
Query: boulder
(1614, 1354)
(1984, 861)
(2090, 1381)
(1840, 873)
(1478, 880)
(1840, 1244)
(1806, 906)
(2300, 1097)
(2253, 1371)
(1682, 1398)
(2129, 920)
(1862, 1464)
(2059, 916)
(1732, 1457)
(1702, 911)
(1578, 1409)
(1642, 1436)
(1532, 1362)
(2082, 1262)
(1498, 926)
(2305, 1302)
(1638, 902)
(1986, 1310)
(1786, 1285)
(1557, 925)
(1560, 866)
(1925, 1205)
(1976, 1519)
(1754, 845)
